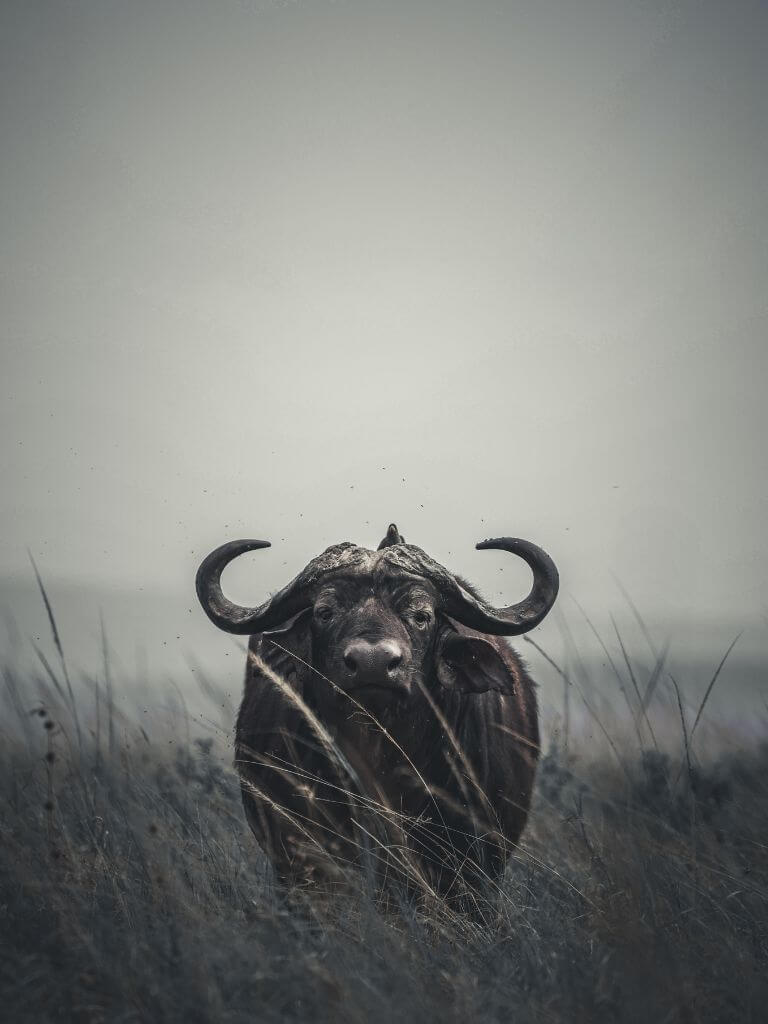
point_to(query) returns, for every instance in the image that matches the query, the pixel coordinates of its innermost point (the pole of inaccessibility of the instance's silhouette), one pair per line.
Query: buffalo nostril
(350, 661)
(394, 662)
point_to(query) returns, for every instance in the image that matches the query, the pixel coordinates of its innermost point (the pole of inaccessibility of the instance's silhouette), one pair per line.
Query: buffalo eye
(324, 614)
(422, 618)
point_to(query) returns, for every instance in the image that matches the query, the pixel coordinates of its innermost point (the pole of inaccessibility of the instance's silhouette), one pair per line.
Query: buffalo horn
(470, 609)
(515, 618)
(235, 618)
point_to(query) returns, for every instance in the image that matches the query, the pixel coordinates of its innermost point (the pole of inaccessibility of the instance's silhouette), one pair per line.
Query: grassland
(131, 889)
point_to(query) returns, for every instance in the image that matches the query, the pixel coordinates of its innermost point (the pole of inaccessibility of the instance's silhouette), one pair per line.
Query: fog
(297, 270)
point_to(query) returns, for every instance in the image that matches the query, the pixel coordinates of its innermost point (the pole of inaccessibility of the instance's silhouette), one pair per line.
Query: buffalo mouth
(391, 692)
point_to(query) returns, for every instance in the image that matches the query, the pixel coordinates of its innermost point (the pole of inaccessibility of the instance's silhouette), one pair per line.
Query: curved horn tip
(526, 614)
(482, 544)
(225, 614)
(494, 542)
(244, 544)
(228, 552)
(253, 545)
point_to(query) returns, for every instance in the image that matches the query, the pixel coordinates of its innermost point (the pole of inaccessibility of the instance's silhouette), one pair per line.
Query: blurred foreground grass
(132, 890)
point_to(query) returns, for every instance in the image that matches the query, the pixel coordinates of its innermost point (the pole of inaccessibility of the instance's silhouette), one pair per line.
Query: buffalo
(385, 722)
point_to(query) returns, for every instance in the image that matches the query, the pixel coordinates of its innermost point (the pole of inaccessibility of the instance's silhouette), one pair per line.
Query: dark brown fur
(435, 790)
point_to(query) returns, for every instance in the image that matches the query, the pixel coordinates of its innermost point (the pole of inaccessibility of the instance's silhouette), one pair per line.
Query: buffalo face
(372, 640)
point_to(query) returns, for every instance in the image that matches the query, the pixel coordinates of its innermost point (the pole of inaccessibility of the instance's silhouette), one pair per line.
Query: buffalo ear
(288, 651)
(472, 665)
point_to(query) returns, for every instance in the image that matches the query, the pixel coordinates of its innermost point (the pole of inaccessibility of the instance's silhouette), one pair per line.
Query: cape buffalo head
(370, 623)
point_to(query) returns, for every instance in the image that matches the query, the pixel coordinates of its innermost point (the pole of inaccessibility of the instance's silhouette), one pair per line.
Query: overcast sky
(294, 270)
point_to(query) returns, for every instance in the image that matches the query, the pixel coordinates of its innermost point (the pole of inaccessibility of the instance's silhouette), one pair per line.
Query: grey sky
(297, 270)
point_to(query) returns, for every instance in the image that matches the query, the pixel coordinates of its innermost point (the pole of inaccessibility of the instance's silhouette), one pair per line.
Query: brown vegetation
(131, 888)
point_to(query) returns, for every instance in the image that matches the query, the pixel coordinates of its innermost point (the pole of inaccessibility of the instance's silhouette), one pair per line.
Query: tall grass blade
(628, 663)
(594, 715)
(686, 742)
(49, 672)
(108, 688)
(653, 681)
(638, 617)
(59, 648)
(611, 662)
(712, 682)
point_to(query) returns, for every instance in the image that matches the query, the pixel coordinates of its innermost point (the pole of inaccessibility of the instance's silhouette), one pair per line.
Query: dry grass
(131, 889)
